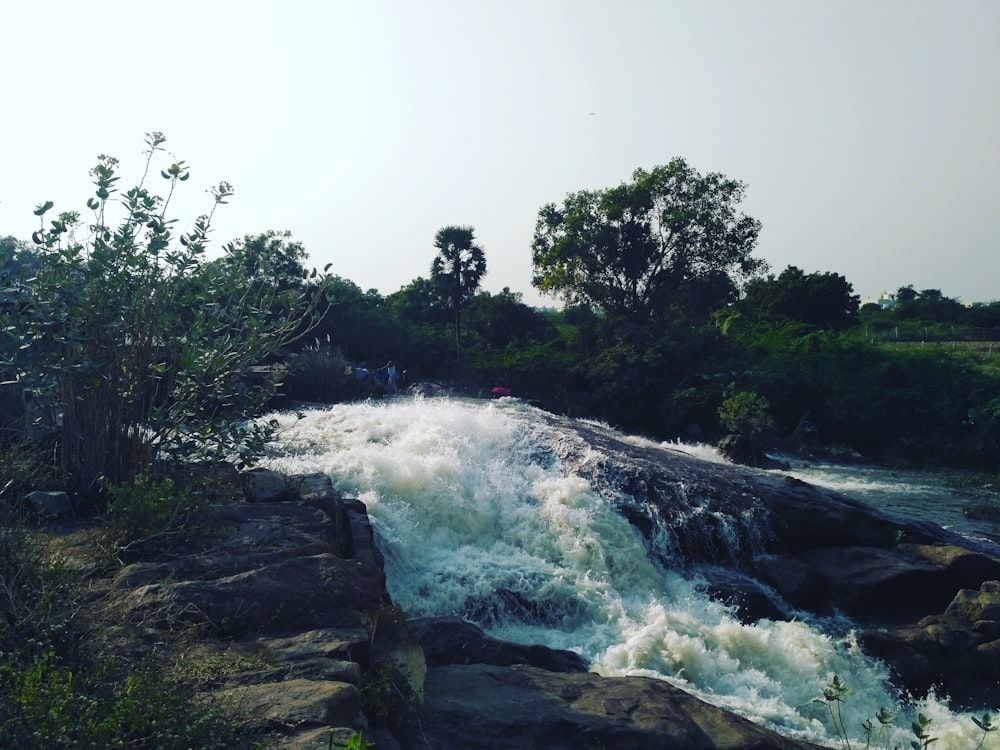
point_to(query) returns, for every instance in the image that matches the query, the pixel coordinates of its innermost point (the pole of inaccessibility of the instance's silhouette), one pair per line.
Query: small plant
(374, 691)
(986, 724)
(833, 694)
(355, 742)
(885, 719)
(923, 739)
(148, 510)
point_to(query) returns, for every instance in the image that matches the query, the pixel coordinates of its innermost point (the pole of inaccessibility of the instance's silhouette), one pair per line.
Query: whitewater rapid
(477, 517)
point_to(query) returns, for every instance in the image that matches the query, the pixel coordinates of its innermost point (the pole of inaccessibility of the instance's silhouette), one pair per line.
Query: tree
(671, 240)
(458, 270)
(135, 348)
(823, 300)
(271, 257)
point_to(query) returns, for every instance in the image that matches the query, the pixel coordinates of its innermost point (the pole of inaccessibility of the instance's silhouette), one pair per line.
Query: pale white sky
(867, 131)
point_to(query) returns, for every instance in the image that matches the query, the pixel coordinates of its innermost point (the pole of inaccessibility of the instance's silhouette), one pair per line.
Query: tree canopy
(457, 269)
(822, 300)
(671, 239)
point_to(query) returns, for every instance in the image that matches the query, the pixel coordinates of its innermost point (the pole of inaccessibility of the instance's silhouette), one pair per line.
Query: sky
(867, 132)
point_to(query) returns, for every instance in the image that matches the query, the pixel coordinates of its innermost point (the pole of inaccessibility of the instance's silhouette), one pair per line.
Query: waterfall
(490, 511)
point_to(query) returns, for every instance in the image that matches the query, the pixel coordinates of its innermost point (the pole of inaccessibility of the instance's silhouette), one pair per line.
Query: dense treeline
(668, 323)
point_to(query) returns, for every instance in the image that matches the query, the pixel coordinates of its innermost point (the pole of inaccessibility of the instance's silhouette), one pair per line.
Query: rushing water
(930, 495)
(477, 517)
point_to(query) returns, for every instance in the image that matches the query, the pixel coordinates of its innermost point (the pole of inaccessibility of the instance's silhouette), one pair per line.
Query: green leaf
(41, 208)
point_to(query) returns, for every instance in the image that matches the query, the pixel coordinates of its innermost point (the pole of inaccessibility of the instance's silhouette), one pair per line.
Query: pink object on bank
(500, 391)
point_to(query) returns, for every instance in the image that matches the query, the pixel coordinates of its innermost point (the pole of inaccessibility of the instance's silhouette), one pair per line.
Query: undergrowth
(61, 686)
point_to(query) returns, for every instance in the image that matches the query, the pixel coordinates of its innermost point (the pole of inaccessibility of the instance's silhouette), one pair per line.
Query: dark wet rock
(451, 640)
(740, 450)
(904, 582)
(956, 652)
(490, 707)
(818, 550)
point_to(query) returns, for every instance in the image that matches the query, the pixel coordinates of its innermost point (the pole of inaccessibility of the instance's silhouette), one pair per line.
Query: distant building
(886, 301)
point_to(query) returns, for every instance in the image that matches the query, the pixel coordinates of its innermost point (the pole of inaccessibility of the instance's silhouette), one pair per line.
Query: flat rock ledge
(292, 589)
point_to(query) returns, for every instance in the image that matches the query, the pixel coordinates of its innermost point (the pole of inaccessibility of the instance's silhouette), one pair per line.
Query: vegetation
(131, 346)
(60, 686)
(875, 735)
(457, 270)
(668, 316)
(671, 241)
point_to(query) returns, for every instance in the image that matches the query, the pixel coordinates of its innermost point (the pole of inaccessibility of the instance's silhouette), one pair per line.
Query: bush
(133, 346)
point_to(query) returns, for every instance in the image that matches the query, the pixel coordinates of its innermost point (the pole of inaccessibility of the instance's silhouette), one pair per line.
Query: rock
(49, 504)
(750, 600)
(353, 645)
(451, 640)
(265, 486)
(328, 592)
(296, 703)
(494, 707)
(740, 450)
(905, 582)
(956, 652)
(299, 581)
(819, 551)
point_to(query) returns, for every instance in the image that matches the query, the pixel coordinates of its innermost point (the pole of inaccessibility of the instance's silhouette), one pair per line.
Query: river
(476, 518)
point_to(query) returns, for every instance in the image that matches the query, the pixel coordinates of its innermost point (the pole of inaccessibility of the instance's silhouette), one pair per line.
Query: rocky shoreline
(293, 581)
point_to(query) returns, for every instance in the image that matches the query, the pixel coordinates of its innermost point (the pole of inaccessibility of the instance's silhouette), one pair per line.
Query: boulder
(48, 505)
(265, 486)
(956, 652)
(496, 707)
(740, 450)
(451, 640)
(892, 585)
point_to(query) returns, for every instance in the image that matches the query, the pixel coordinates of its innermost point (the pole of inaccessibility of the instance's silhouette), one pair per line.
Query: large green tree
(670, 241)
(457, 270)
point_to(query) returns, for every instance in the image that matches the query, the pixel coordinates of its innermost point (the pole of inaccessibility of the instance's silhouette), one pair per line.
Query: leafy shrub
(48, 704)
(746, 412)
(133, 345)
(317, 373)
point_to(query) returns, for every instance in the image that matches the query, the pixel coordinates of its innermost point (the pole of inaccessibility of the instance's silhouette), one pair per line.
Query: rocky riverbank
(292, 581)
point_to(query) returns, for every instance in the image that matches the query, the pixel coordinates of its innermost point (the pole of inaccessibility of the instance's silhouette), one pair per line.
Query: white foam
(476, 517)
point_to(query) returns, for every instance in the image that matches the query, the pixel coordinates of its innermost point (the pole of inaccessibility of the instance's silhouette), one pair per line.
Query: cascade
(496, 512)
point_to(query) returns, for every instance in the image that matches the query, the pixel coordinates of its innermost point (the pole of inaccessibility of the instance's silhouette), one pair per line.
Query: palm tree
(458, 269)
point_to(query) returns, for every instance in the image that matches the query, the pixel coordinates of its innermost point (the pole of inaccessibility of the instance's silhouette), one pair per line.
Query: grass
(63, 683)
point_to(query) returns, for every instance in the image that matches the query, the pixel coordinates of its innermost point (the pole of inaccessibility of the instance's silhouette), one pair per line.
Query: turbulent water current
(477, 516)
